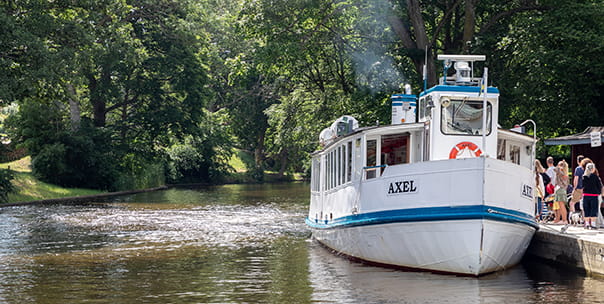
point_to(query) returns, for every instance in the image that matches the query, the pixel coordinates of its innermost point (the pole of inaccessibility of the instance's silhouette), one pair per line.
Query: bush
(82, 159)
(202, 157)
(138, 173)
(6, 186)
(196, 160)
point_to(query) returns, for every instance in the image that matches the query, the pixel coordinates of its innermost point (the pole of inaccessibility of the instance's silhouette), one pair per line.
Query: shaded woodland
(122, 94)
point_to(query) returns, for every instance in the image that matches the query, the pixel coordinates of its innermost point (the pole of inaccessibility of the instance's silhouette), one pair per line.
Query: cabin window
(427, 143)
(371, 159)
(464, 117)
(327, 170)
(349, 162)
(501, 143)
(343, 165)
(333, 169)
(339, 164)
(395, 149)
(515, 154)
(316, 174)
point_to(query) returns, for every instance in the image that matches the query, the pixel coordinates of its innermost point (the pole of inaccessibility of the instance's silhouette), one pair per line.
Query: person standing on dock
(540, 187)
(561, 182)
(592, 188)
(577, 185)
(551, 174)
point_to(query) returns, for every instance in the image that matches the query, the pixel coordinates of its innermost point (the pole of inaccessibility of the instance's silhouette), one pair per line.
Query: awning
(583, 138)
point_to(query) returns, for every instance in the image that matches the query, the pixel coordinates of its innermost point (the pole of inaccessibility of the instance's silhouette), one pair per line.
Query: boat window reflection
(464, 117)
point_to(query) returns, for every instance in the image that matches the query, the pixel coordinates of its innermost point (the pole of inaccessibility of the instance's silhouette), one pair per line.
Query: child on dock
(560, 195)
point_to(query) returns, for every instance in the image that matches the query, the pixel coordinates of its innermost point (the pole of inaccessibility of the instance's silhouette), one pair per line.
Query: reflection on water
(227, 244)
(533, 282)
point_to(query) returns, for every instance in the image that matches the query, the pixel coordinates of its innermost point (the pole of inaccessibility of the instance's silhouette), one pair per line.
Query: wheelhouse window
(425, 104)
(464, 117)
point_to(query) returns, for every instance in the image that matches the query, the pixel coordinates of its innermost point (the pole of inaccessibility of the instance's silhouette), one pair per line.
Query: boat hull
(468, 247)
(471, 216)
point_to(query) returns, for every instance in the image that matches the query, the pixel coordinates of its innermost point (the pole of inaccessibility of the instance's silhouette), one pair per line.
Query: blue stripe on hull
(427, 214)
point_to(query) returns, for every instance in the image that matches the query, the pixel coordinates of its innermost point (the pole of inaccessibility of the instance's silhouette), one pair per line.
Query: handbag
(577, 195)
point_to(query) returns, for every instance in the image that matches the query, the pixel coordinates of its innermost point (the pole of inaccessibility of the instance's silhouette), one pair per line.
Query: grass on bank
(30, 188)
(240, 162)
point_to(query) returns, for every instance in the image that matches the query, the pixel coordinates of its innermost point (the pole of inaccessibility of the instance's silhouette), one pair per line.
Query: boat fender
(464, 145)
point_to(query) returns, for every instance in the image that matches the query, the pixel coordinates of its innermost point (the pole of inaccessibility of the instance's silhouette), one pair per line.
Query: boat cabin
(448, 121)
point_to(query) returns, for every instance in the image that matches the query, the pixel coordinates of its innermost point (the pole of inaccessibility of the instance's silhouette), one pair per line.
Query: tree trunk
(283, 159)
(74, 108)
(259, 152)
(98, 112)
(469, 25)
(97, 99)
(421, 42)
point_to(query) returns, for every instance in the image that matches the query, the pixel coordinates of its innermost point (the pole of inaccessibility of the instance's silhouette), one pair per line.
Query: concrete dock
(571, 246)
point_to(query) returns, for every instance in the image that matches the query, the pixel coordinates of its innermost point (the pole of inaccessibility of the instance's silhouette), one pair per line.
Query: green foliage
(6, 185)
(130, 93)
(28, 129)
(203, 157)
(551, 70)
(137, 173)
(77, 160)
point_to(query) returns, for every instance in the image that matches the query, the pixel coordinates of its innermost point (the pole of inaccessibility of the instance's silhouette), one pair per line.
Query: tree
(450, 26)
(551, 67)
(132, 68)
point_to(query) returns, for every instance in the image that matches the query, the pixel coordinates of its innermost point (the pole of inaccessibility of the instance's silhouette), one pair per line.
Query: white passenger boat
(441, 189)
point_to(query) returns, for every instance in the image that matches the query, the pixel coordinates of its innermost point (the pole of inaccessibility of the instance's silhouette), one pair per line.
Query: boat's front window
(464, 117)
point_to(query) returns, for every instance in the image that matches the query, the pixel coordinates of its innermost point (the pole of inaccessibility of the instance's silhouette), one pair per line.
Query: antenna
(426, 70)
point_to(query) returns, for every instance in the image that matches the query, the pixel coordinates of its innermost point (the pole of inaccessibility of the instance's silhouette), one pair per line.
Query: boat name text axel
(405, 186)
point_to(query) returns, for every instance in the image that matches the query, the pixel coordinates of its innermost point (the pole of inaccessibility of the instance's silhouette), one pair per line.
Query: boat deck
(570, 245)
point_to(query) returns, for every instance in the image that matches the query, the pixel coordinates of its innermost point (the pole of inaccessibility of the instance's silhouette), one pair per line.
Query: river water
(227, 244)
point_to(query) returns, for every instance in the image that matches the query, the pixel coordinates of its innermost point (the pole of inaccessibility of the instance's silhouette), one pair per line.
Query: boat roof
(575, 139)
(406, 127)
(517, 135)
(458, 88)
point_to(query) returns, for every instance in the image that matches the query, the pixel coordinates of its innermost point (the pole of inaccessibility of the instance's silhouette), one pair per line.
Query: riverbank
(30, 190)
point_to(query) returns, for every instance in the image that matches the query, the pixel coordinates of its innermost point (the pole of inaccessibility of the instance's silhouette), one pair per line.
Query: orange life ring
(464, 145)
